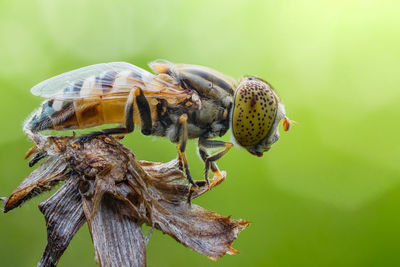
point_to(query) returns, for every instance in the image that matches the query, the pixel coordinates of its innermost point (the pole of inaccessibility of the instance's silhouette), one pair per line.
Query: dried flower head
(115, 194)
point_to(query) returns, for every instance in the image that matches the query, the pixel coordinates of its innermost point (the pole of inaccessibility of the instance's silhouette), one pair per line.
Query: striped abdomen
(62, 115)
(81, 114)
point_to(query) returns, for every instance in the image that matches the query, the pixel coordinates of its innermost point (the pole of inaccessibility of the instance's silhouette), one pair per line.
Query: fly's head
(256, 114)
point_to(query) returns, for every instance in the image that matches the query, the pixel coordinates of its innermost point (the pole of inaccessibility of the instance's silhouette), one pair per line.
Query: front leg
(209, 161)
(204, 155)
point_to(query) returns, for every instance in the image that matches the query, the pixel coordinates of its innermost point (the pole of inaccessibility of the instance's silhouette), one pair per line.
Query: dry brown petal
(204, 231)
(41, 179)
(64, 216)
(118, 240)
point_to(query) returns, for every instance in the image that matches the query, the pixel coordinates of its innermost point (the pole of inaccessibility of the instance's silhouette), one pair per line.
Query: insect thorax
(208, 120)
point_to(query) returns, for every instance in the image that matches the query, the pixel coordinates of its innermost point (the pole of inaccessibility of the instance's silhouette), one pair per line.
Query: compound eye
(254, 111)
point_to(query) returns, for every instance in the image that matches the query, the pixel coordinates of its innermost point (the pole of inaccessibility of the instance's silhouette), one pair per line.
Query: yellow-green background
(327, 194)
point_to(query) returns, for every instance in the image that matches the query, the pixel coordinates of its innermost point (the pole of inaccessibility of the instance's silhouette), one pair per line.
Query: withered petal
(118, 240)
(41, 179)
(164, 172)
(204, 231)
(64, 216)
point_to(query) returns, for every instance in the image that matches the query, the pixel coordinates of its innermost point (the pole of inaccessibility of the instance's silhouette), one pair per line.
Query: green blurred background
(327, 194)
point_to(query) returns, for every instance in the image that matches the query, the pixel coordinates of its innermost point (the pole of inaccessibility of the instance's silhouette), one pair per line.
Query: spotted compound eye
(254, 111)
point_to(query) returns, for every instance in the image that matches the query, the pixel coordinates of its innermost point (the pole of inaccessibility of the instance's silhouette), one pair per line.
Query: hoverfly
(180, 102)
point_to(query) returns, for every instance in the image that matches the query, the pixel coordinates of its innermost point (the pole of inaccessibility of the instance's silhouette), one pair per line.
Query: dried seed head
(118, 196)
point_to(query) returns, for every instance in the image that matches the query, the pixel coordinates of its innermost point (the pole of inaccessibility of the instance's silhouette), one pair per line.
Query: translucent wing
(106, 80)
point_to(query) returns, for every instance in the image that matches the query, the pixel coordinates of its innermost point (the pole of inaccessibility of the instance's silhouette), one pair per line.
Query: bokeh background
(327, 194)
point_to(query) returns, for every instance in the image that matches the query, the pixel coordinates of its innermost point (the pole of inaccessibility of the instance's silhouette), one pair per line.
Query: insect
(179, 101)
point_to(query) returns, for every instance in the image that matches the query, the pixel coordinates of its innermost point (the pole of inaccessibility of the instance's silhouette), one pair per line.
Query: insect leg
(205, 143)
(182, 146)
(129, 124)
(204, 155)
(144, 111)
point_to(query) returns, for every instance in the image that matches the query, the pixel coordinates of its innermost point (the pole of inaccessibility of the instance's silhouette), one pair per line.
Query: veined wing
(106, 81)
